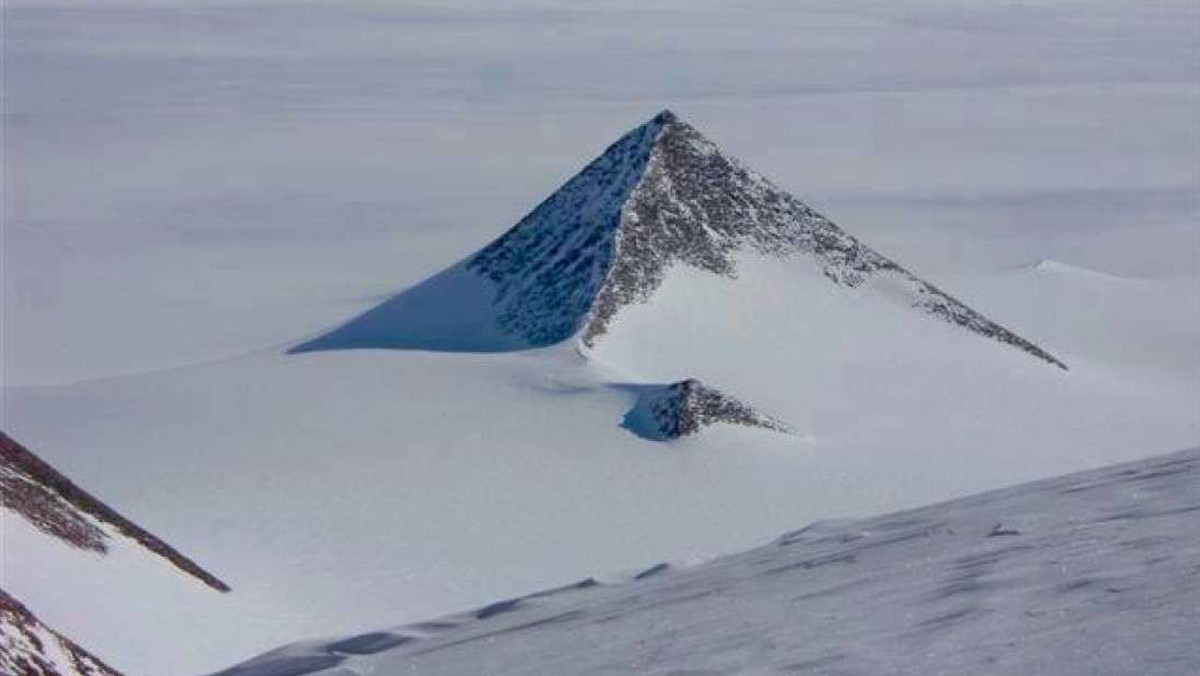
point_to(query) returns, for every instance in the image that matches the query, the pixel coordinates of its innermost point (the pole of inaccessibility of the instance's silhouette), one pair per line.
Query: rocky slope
(30, 648)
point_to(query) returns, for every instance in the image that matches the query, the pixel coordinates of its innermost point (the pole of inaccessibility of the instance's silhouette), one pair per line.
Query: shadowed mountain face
(533, 286)
(662, 195)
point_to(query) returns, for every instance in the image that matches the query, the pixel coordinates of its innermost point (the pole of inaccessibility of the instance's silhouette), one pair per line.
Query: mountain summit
(662, 196)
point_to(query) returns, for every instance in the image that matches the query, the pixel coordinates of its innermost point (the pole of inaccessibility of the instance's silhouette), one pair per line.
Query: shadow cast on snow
(453, 311)
(640, 419)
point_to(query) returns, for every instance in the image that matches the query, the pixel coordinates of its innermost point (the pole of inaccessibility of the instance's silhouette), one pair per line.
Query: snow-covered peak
(662, 196)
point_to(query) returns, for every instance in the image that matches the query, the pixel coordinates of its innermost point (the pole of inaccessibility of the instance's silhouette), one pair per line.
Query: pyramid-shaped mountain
(662, 196)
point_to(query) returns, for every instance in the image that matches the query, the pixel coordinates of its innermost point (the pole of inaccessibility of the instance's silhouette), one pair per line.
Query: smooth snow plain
(191, 189)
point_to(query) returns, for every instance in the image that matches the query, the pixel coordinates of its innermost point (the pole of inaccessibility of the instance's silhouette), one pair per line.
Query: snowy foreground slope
(1089, 573)
(448, 459)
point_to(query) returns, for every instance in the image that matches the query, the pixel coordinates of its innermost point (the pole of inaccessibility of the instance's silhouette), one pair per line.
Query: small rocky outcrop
(684, 408)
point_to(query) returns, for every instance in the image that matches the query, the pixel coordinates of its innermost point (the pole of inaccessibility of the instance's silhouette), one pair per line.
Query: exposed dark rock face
(696, 206)
(664, 195)
(42, 507)
(685, 407)
(29, 648)
(50, 501)
(550, 266)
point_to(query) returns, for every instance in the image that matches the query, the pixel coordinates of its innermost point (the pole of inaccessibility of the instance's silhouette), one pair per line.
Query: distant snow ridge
(684, 408)
(661, 195)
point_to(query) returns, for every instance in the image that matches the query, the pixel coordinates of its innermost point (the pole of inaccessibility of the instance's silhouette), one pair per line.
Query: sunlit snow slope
(1090, 573)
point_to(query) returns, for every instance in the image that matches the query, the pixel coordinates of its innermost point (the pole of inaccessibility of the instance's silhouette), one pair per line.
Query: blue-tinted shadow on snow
(640, 419)
(452, 311)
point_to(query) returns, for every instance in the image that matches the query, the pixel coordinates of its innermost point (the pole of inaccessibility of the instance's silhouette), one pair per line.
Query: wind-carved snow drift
(662, 195)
